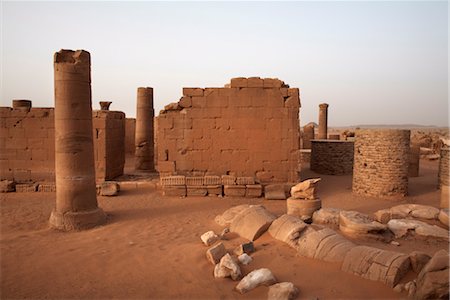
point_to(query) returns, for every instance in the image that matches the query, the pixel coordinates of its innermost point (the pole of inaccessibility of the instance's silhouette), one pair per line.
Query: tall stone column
(323, 121)
(76, 196)
(144, 139)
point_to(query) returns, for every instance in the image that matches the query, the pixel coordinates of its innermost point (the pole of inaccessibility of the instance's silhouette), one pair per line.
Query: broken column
(144, 138)
(76, 199)
(323, 121)
(104, 105)
(308, 135)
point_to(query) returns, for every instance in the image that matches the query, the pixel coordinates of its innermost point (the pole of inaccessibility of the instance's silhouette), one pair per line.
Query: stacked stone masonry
(27, 144)
(444, 166)
(381, 162)
(130, 128)
(250, 128)
(332, 157)
(210, 185)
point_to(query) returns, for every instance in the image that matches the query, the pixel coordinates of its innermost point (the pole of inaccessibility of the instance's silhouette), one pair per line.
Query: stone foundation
(332, 157)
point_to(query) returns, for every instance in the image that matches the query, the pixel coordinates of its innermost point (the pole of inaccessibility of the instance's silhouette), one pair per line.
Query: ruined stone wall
(444, 166)
(332, 157)
(250, 128)
(130, 130)
(381, 162)
(109, 143)
(27, 144)
(414, 160)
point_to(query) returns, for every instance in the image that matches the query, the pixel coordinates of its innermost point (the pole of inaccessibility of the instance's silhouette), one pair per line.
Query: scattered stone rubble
(322, 243)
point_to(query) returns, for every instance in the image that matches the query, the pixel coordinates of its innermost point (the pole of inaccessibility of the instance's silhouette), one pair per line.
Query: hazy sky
(373, 62)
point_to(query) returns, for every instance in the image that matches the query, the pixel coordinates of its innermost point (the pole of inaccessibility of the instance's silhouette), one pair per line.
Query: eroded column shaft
(323, 121)
(144, 139)
(308, 135)
(76, 197)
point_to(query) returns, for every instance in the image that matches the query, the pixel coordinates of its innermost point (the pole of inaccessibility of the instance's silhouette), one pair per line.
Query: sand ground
(151, 248)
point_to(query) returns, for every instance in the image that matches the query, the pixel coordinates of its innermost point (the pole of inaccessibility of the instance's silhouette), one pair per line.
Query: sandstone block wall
(332, 157)
(250, 128)
(109, 143)
(381, 162)
(130, 128)
(27, 144)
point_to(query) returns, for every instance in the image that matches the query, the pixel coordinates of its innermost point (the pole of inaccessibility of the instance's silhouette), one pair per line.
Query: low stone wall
(381, 162)
(332, 157)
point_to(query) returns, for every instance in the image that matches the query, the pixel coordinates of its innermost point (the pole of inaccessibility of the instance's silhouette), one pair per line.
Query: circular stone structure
(444, 175)
(381, 162)
(332, 157)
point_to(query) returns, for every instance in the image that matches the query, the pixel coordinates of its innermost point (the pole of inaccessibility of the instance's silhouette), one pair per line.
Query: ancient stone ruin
(323, 121)
(144, 137)
(444, 174)
(250, 128)
(332, 157)
(381, 162)
(76, 195)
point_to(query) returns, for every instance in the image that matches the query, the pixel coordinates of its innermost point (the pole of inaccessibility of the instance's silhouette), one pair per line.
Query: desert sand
(150, 246)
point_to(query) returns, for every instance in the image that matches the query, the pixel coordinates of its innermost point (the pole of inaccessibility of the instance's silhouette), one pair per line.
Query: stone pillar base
(77, 220)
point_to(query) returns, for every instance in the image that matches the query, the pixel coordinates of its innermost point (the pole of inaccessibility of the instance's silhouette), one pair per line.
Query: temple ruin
(249, 128)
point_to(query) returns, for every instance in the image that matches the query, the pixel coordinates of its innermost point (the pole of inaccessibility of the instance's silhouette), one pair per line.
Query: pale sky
(373, 62)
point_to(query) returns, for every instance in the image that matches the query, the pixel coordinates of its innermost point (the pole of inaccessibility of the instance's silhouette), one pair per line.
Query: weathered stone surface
(244, 259)
(253, 190)
(199, 191)
(287, 229)
(209, 238)
(383, 215)
(324, 244)
(274, 192)
(356, 224)
(174, 191)
(214, 190)
(401, 227)
(326, 216)
(375, 264)
(282, 291)
(227, 267)
(234, 190)
(245, 248)
(433, 280)
(443, 217)
(254, 279)
(26, 187)
(306, 189)
(418, 260)
(109, 188)
(415, 211)
(332, 157)
(215, 253)
(7, 186)
(252, 222)
(300, 208)
(228, 216)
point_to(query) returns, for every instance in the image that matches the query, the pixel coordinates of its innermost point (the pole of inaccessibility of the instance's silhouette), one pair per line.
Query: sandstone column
(144, 139)
(104, 105)
(323, 121)
(76, 197)
(308, 135)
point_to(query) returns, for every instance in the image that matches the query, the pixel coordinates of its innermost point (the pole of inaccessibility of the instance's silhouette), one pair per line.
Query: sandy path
(150, 247)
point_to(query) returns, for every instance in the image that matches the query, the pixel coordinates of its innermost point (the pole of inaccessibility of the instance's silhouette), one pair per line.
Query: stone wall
(109, 144)
(27, 144)
(250, 128)
(381, 162)
(444, 166)
(130, 129)
(414, 160)
(332, 157)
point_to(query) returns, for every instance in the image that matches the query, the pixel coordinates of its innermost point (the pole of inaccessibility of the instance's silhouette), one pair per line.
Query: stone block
(287, 229)
(227, 267)
(194, 181)
(214, 190)
(185, 102)
(26, 187)
(228, 180)
(166, 166)
(275, 192)
(215, 253)
(209, 238)
(7, 186)
(245, 248)
(254, 279)
(173, 180)
(282, 291)
(189, 92)
(196, 190)
(174, 191)
(245, 180)
(253, 191)
(47, 187)
(212, 180)
(273, 83)
(255, 82)
(234, 190)
(239, 82)
(109, 188)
